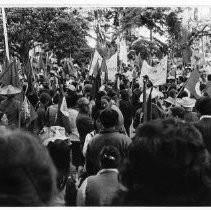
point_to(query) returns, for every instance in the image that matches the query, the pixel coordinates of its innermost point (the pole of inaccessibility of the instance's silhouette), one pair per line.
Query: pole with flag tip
(5, 33)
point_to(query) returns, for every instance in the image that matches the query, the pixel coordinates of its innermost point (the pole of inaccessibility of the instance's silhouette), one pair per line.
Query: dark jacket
(85, 125)
(127, 111)
(204, 126)
(105, 138)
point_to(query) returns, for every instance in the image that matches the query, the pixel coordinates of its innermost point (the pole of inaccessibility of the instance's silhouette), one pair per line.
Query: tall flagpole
(5, 33)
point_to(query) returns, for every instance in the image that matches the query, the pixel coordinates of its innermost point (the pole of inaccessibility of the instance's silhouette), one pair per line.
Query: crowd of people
(82, 150)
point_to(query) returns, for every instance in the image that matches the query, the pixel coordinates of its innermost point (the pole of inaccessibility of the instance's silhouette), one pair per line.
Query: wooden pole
(5, 33)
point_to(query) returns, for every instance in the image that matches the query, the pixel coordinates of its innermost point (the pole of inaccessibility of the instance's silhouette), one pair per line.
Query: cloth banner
(157, 74)
(96, 58)
(112, 67)
(63, 108)
(123, 51)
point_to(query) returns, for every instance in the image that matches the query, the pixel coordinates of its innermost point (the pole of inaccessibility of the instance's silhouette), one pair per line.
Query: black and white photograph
(105, 105)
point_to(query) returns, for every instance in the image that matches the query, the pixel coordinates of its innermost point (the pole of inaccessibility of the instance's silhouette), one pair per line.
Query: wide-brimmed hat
(155, 93)
(187, 102)
(54, 133)
(9, 90)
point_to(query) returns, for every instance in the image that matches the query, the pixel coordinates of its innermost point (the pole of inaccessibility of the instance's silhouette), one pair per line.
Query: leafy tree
(61, 30)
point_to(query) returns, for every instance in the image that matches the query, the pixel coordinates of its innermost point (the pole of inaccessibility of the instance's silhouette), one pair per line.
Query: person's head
(27, 173)
(97, 123)
(45, 99)
(109, 157)
(178, 112)
(136, 85)
(67, 77)
(112, 94)
(59, 151)
(109, 118)
(83, 104)
(71, 99)
(105, 101)
(99, 95)
(183, 94)
(124, 95)
(172, 93)
(165, 159)
(203, 106)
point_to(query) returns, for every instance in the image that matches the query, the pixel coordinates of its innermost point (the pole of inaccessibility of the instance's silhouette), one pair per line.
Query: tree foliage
(61, 30)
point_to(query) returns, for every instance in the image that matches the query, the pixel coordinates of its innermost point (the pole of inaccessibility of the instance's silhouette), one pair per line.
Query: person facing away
(107, 136)
(99, 190)
(59, 151)
(126, 108)
(45, 101)
(203, 107)
(27, 173)
(167, 165)
(85, 125)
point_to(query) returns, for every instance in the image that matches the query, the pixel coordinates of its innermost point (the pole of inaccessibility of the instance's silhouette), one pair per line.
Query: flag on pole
(105, 70)
(149, 106)
(97, 81)
(96, 58)
(10, 74)
(28, 112)
(63, 107)
(193, 84)
(123, 51)
(138, 61)
(158, 74)
(112, 67)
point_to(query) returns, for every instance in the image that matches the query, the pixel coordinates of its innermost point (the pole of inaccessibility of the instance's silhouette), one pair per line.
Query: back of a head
(27, 173)
(204, 106)
(82, 102)
(125, 95)
(45, 97)
(109, 118)
(71, 100)
(167, 159)
(109, 157)
(59, 151)
(178, 112)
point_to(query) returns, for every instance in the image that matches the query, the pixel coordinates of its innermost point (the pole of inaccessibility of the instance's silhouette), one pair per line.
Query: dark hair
(166, 165)
(44, 98)
(125, 95)
(111, 93)
(204, 106)
(172, 93)
(178, 112)
(183, 94)
(28, 175)
(136, 85)
(59, 151)
(56, 98)
(71, 99)
(109, 157)
(109, 117)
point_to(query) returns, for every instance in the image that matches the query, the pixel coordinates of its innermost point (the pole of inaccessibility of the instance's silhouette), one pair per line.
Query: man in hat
(188, 104)
(10, 106)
